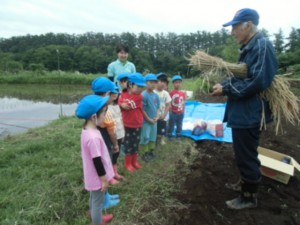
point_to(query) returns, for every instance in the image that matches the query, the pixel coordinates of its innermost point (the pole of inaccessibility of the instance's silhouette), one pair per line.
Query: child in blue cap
(165, 102)
(151, 114)
(163, 77)
(132, 115)
(97, 167)
(102, 86)
(177, 107)
(123, 79)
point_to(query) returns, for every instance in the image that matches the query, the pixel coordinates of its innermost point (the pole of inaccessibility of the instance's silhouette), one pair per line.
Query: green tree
(294, 40)
(36, 67)
(230, 50)
(4, 59)
(264, 32)
(279, 42)
(13, 66)
(92, 52)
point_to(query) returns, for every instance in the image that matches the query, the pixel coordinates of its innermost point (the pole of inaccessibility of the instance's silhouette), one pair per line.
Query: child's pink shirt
(92, 146)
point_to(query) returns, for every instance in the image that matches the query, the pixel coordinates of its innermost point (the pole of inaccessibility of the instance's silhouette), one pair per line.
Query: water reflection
(18, 115)
(27, 106)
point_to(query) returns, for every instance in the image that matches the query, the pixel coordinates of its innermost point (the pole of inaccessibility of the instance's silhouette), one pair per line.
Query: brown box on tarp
(273, 167)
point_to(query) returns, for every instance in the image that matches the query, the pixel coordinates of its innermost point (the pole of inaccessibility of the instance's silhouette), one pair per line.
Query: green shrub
(36, 67)
(13, 66)
(294, 68)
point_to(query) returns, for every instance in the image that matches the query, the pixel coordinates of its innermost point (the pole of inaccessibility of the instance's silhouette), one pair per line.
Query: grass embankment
(41, 180)
(55, 77)
(49, 93)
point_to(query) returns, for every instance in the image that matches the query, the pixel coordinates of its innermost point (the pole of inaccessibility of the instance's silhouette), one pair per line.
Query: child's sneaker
(152, 155)
(162, 141)
(106, 218)
(146, 157)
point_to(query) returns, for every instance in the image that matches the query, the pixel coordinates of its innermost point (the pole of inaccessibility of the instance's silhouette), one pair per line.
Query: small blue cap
(122, 76)
(89, 105)
(176, 77)
(137, 79)
(150, 77)
(244, 15)
(161, 75)
(102, 84)
(116, 89)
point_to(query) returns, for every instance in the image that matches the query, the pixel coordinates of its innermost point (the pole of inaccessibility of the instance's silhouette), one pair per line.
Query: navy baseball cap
(176, 77)
(89, 105)
(122, 76)
(150, 77)
(244, 15)
(137, 79)
(102, 84)
(161, 75)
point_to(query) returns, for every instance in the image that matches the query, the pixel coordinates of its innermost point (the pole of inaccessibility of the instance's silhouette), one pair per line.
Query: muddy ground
(204, 191)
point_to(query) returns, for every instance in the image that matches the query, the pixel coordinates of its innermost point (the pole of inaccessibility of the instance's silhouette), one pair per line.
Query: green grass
(197, 85)
(49, 93)
(41, 180)
(55, 77)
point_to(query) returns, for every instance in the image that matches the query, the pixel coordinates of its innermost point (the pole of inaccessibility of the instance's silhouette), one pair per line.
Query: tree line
(167, 52)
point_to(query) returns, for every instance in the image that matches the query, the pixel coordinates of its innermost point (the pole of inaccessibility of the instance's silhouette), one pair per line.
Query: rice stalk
(283, 103)
(214, 65)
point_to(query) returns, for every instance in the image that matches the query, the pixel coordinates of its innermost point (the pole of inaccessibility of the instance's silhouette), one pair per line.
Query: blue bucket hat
(176, 77)
(122, 76)
(89, 105)
(244, 15)
(150, 77)
(137, 79)
(102, 84)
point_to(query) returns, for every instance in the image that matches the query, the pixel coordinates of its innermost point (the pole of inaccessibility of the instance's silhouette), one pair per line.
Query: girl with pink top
(97, 166)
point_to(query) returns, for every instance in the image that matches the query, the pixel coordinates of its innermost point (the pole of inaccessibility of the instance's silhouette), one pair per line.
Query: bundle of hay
(283, 102)
(217, 66)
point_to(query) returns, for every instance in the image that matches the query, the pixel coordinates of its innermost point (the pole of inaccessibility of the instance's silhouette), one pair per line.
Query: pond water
(27, 106)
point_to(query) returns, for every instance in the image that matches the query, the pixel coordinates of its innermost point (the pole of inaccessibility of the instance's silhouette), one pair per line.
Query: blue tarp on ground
(206, 111)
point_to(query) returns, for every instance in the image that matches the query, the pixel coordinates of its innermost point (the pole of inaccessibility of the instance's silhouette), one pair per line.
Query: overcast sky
(21, 17)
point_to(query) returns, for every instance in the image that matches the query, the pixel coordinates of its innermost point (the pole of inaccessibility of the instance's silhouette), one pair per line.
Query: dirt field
(205, 194)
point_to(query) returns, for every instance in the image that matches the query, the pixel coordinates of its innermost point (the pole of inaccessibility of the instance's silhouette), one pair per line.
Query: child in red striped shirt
(131, 103)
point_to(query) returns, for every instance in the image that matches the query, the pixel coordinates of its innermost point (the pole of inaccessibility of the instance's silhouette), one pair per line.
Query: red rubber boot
(128, 163)
(135, 163)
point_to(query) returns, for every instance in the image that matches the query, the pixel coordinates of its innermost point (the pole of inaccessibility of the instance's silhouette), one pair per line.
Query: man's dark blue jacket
(245, 106)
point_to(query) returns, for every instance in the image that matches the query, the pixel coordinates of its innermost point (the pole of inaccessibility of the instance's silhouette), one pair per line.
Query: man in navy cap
(245, 108)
